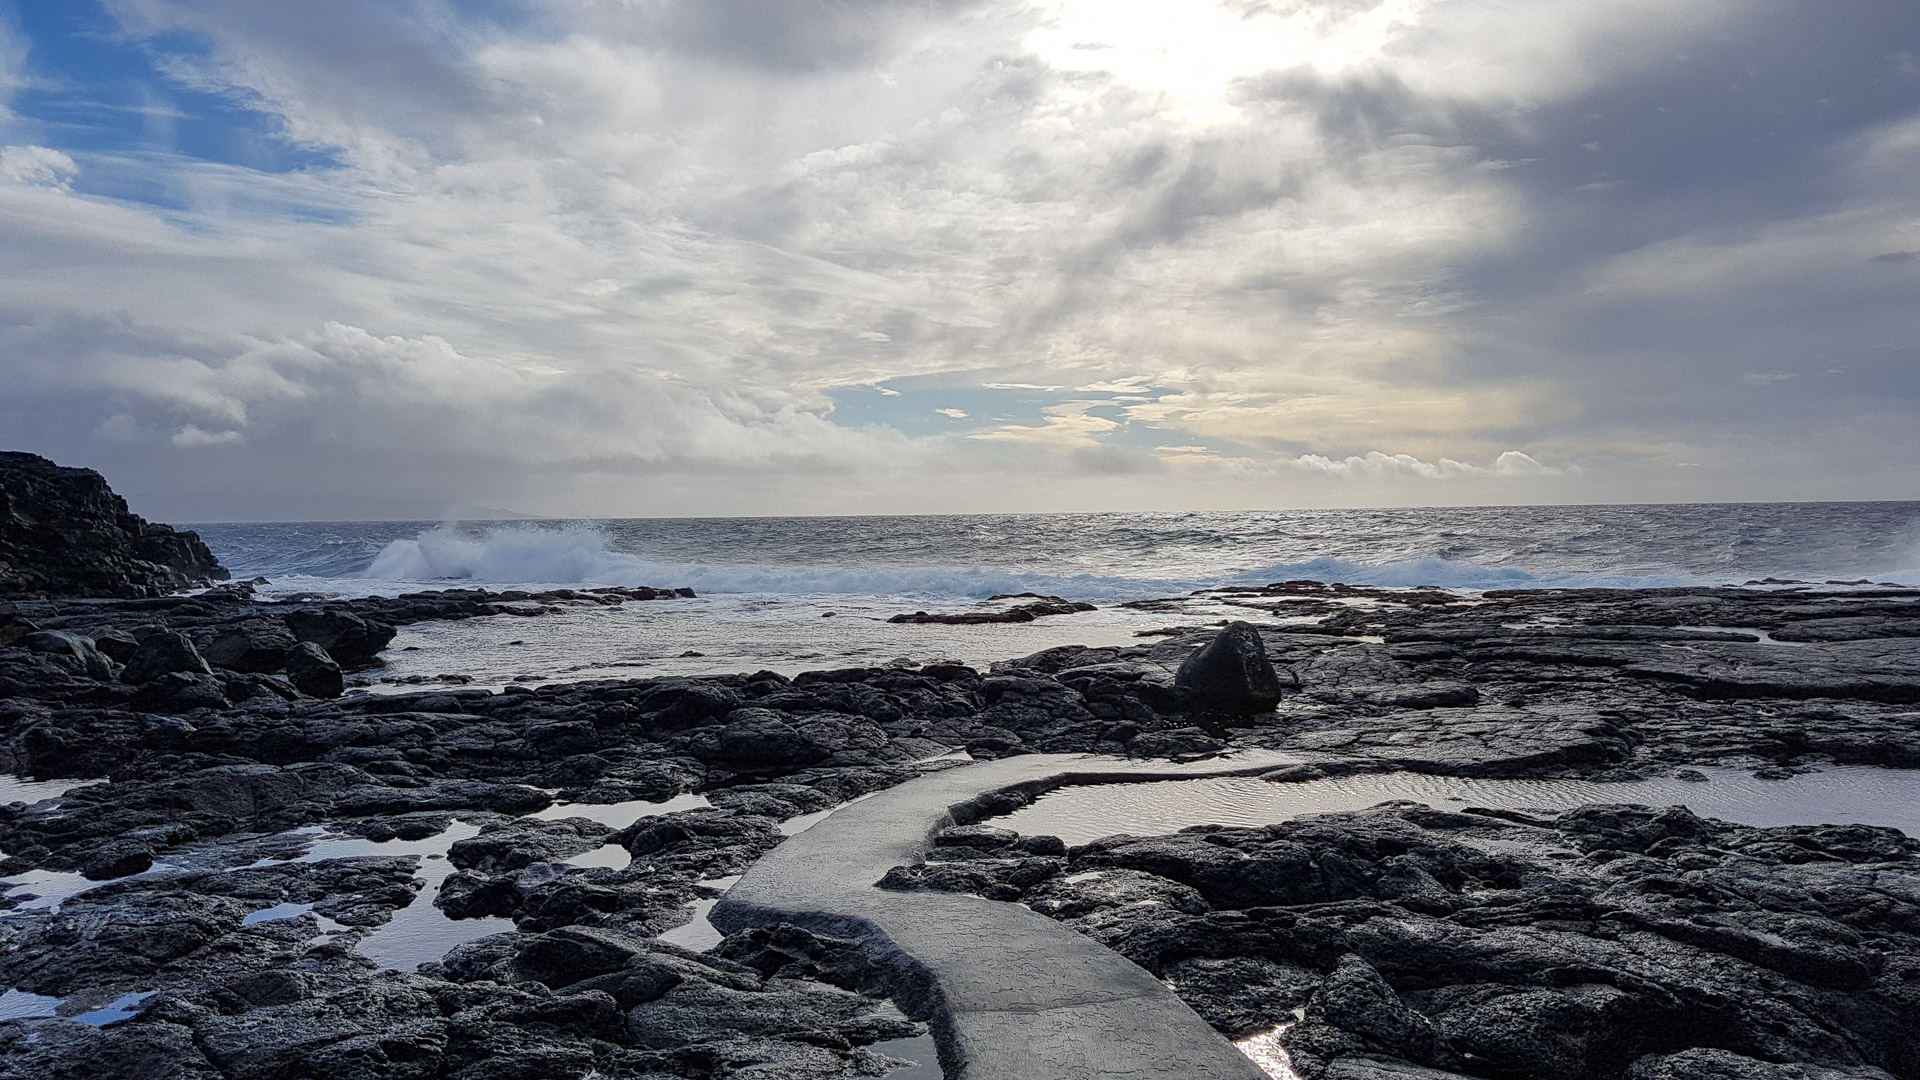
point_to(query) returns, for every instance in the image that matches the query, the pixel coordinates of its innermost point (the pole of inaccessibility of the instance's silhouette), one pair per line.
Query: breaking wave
(582, 555)
(519, 555)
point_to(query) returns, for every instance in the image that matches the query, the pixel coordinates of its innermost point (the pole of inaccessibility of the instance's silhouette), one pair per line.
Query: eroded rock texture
(64, 532)
(1606, 942)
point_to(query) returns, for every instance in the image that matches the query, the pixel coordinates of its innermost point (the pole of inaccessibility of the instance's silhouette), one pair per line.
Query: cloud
(1377, 464)
(191, 436)
(1068, 426)
(36, 165)
(609, 257)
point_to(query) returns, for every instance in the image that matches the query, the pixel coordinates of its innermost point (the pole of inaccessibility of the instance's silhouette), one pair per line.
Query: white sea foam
(510, 554)
(583, 555)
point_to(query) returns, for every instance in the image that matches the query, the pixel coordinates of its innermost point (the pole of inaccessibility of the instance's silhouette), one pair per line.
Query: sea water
(789, 594)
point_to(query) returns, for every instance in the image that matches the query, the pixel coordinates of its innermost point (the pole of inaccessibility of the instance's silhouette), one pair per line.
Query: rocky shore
(203, 905)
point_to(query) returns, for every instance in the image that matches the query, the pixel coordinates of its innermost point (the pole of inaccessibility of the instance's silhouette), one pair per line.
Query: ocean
(788, 594)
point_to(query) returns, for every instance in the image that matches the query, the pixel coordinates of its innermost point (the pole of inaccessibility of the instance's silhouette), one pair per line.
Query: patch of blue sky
(913, 405)
(92, 92)
(963, 403)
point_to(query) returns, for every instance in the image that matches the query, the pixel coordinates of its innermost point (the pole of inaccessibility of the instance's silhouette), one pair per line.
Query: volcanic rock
(78, 654)
(64, 532)
(313, 672)
(352, 641)
(1231, 674)
(253, 645)
(164, 652)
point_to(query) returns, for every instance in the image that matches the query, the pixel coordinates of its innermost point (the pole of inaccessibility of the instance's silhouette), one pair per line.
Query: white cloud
(1068, 426)
(191, 436)
(1376, 464)
(36, 165)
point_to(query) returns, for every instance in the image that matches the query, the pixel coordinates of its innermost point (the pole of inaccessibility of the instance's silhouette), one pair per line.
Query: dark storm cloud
(1753, 141)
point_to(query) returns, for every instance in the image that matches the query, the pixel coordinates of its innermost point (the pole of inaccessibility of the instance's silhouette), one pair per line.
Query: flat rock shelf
(1012, 995)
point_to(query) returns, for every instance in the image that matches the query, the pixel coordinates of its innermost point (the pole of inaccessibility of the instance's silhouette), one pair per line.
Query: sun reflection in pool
(1264, 1050)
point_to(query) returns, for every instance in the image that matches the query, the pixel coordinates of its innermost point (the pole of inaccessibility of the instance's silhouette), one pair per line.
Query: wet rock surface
(1624, 944)
(1037, 607)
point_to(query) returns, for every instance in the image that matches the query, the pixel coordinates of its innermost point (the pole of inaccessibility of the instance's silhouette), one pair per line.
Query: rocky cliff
(64, 532)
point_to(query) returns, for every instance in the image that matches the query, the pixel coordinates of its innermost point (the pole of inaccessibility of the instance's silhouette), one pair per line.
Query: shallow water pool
(1861, 795)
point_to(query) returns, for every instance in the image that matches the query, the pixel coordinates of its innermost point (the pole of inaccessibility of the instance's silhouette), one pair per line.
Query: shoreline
(1594, 684)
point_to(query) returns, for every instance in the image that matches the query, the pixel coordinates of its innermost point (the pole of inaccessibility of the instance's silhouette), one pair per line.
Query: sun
(1192, 51)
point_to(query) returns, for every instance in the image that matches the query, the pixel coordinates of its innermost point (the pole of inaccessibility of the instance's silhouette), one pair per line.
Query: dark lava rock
(76, 653)
(560, 958)
(117, 859)
(351, 640)
(313, 672)
(1019, 613)
(253, 645)
(1611, 942)
(1724, 1065)
(64, 532)
(1355, 1012)
(164, 652)
(1240, 995)
(515, 845)
(1177, 743)
(1231, 674)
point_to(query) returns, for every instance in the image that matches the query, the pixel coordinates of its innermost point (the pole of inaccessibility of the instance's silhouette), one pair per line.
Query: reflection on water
(15, 789)
(1835, 796)
(700, 934)
(920, 1053)
(621, 814)
(20, 1005)
(1265, 1051)
(121, 1008)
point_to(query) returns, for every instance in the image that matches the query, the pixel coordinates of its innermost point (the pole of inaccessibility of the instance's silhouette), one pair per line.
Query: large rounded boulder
(1231, 674)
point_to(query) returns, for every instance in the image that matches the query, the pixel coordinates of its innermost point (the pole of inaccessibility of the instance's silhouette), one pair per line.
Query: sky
(365, 259)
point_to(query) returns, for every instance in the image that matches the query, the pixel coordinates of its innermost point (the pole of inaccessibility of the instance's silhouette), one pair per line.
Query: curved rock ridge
(64, 532)
(1012, 995)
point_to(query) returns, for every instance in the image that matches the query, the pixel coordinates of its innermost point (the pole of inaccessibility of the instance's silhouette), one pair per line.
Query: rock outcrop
(63, 532)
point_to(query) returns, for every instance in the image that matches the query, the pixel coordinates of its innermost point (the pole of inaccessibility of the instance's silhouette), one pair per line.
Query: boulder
(516, 845)
(1231, 674)
(118, 645)
(164, 652)
(313, 672)
(116, 860)
(76, 653)
(180, 691)
(254, 645)
(1356, 1000)
(566, 956)
(350, 640)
